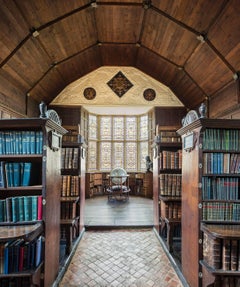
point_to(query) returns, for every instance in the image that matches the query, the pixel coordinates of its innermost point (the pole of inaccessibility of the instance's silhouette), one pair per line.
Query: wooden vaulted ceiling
(191, 46)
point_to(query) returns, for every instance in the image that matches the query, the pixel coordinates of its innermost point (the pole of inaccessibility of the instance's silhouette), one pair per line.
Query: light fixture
(94, 4)
(202, 38)
(236, 76)
(146, 4)
(34, 32)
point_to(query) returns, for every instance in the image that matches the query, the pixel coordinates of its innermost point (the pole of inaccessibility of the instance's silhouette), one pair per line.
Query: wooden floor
(137, 211)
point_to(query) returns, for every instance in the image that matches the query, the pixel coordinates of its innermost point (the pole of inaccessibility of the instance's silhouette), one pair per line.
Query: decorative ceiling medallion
(149, 94)
(89, 93)
(120, 84)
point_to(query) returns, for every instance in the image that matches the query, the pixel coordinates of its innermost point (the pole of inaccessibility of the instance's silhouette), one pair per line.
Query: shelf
(28, 273)
(219, 272)
(21, 188)
(222, 174)
(69, 198)
(225, 231)
(170, 198)
(20, 157)
(10, 231)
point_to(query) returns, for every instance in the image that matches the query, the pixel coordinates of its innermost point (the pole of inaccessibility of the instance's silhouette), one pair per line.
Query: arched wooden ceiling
(191, 46)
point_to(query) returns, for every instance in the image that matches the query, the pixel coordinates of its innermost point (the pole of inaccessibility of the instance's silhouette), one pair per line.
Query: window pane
(143, 149)
(92, 156)
(131, 128)
(92, 131)
(105, 128)
(105, 156)
(118, 128)
(143, 129)
(131, 156)
(118, 155)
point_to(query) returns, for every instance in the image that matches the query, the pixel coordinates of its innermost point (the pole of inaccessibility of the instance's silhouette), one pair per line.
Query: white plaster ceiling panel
(105, 96)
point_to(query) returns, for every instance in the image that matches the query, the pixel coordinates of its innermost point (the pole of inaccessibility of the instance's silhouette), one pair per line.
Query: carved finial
(202, 110)
(43, 110)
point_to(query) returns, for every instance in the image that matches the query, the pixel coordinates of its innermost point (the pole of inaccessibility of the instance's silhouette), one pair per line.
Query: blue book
(9, 174)
(32, 142)
(21, 208)
(16, 173)
(15, 209)
(38, 251)
(34, 207)
(26, 176)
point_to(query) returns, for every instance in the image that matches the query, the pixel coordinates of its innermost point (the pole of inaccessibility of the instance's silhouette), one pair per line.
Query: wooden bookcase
(167, 165)
(210, 200)
(72, 189)
(37, 142)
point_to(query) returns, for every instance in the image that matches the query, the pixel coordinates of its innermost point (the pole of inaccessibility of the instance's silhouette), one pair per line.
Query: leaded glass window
(131, 128)
(105, 128)
(118, 154)
(131, 158)
(118, 141)
(143, 130)
(105, 156)
(118, 128)
(92, 156)
(92, 127)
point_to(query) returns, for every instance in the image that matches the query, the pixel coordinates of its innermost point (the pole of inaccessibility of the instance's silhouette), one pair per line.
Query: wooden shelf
(224, 231)
(219, 272)
(8, 232)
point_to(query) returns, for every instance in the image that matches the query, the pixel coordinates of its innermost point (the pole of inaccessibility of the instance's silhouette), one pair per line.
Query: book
(226, 254)
(26, 176)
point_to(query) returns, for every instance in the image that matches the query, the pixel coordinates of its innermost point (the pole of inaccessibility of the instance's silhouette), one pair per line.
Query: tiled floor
(123, 258)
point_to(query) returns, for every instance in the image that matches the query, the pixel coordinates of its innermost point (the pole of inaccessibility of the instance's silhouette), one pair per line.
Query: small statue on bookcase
(50, 114)
(149, 164)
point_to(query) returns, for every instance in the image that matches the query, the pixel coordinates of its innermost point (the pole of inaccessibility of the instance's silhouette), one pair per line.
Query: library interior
(120, 143)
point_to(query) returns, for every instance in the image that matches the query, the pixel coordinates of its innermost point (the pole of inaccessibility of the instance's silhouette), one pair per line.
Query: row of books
(221, 163)
(170, 159)
(70, 185)
(68, 210)
(221, 211)
(19, 255)
(15, 282)
(171, 210)
(169, 137)
(170, 184)
(225, 188)
(221, 139)
(14, 174)
(21, 208)
(70, 158)
(221, 253)
(21, 142)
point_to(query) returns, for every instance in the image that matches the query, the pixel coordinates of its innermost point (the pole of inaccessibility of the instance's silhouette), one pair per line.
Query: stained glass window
(92, 156)
(118, 154)
(131, 128)
(118, 141)
(105, 128)
(92, 130)
(143, 152)
(143, 128)
(131, 158)
(118, 128)
(105, 156)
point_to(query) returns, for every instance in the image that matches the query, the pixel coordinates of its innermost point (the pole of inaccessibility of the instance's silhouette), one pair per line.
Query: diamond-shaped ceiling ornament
(120, 84)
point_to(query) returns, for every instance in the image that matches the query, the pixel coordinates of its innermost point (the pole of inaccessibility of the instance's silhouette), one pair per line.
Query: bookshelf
(72, 189)
(29, 195)
(167, 191)
(210, 198)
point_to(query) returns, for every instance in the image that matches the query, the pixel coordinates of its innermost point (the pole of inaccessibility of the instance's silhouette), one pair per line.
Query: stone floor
(120, 257)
